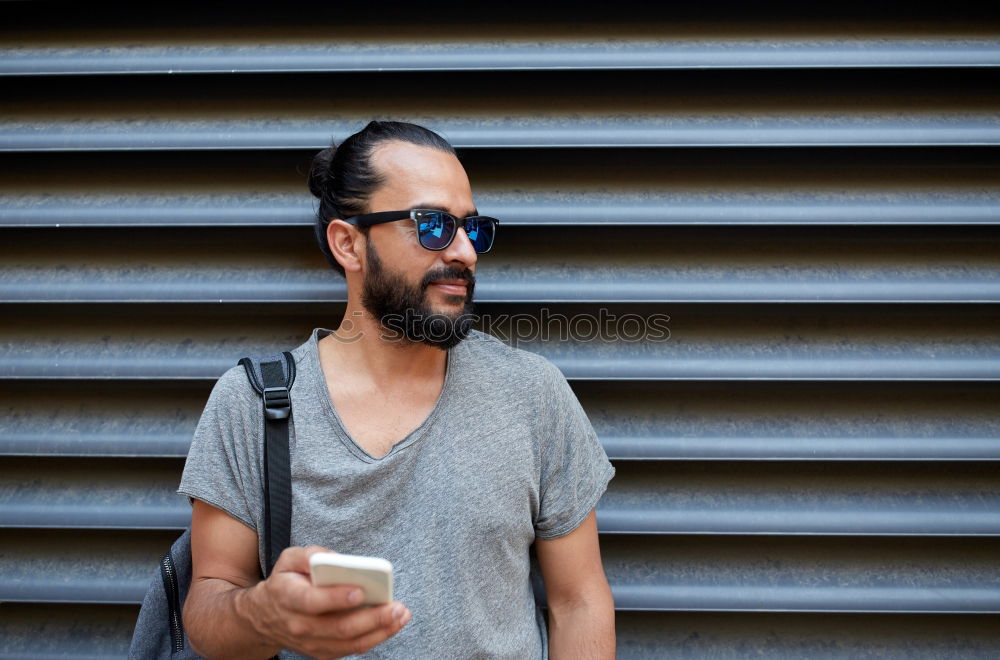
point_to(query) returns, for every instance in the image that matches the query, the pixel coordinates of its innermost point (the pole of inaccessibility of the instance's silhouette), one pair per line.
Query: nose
(461, 250)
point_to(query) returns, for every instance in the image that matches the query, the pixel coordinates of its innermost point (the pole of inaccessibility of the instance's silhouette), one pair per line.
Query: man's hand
(322, 622)
(230, 613)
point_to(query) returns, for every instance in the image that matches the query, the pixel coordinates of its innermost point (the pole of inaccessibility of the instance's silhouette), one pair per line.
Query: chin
(455, 301)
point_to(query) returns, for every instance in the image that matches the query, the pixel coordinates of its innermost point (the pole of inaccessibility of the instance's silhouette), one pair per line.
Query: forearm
(583, 630)
(218, 618)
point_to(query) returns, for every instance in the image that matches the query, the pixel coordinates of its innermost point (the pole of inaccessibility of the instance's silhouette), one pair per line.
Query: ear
(345, 243)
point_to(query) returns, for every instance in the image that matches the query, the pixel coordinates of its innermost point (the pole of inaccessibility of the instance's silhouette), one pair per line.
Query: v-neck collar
(319, 381)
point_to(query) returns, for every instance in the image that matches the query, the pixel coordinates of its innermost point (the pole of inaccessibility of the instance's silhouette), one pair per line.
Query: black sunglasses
(436, 229)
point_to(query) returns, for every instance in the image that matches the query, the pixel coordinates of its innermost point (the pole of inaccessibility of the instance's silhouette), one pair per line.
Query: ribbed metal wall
(808, 467)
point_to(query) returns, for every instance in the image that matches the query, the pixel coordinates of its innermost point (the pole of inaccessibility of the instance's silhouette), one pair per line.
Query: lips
(452, 286)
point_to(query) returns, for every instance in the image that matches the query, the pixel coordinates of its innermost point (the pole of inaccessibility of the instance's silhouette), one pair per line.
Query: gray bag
(159, 630)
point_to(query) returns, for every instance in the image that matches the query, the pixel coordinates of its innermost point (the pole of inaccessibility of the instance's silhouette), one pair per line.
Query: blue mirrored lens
(480, 231)
(435, 229)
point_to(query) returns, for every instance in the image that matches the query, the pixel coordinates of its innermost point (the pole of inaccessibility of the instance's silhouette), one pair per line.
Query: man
(413, 438)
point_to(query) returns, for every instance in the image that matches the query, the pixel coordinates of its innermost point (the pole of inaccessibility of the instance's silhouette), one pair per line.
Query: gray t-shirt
(506, 456)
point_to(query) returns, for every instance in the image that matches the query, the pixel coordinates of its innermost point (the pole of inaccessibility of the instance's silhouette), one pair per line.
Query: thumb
(296, 559)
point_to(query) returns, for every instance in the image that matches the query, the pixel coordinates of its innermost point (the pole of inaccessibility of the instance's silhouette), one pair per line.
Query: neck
(363, 348)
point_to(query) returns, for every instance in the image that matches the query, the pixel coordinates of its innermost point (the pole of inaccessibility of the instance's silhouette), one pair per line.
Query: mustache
(449, 274)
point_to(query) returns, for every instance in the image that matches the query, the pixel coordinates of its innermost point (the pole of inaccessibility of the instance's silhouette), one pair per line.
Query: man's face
(419, 294)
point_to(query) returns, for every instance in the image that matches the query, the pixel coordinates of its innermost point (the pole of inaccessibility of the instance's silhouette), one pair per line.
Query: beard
(403, 310)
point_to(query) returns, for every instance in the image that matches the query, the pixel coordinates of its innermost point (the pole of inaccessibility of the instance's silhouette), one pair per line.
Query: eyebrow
(439, 207)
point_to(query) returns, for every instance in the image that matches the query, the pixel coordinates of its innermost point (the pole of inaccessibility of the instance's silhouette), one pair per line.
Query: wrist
(248, 604)
(251, 606)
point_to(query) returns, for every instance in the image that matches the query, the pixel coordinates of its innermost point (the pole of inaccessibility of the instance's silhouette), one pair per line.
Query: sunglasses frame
(369, 219)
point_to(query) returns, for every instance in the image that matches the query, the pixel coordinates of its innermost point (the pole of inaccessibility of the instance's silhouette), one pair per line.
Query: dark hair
(343, 178)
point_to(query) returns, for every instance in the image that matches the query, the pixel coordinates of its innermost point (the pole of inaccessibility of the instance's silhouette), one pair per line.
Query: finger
(365, 620)
(368, 641)
(299, 595)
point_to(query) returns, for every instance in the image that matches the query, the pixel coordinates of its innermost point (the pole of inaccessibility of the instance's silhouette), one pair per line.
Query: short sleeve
(222, 467)
(575, 470)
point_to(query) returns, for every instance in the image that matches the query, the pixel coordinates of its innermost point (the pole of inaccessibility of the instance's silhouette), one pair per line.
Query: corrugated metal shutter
(808, 466)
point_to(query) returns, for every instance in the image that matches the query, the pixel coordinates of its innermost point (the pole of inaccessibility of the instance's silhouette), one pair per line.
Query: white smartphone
(372, 574)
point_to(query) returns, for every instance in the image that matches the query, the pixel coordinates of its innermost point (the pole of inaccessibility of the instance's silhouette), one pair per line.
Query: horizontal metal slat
(821, 421)
(114, 420)
(608, 265)
(678, 499)
(663, 421)
(98, 494)
(49, 631)
(793, 636)
(767, 186)
(753, 574)
(106, 567)
(551, 188)
(804, 574)
(563, 132)
(284, 211)
(44, 632)
(806, 499)
(734, 342)
(535, 110)
(794, 448)
(499, 55)
(151, 441)
(722, 343)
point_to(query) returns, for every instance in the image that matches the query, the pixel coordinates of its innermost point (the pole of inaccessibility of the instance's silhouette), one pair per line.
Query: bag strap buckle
(277, 403)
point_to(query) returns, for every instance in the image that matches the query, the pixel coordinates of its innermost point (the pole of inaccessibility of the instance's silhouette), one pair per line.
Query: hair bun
(319, 172)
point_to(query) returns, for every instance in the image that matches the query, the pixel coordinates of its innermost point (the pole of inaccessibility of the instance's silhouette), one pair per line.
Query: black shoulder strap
(272, 377)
